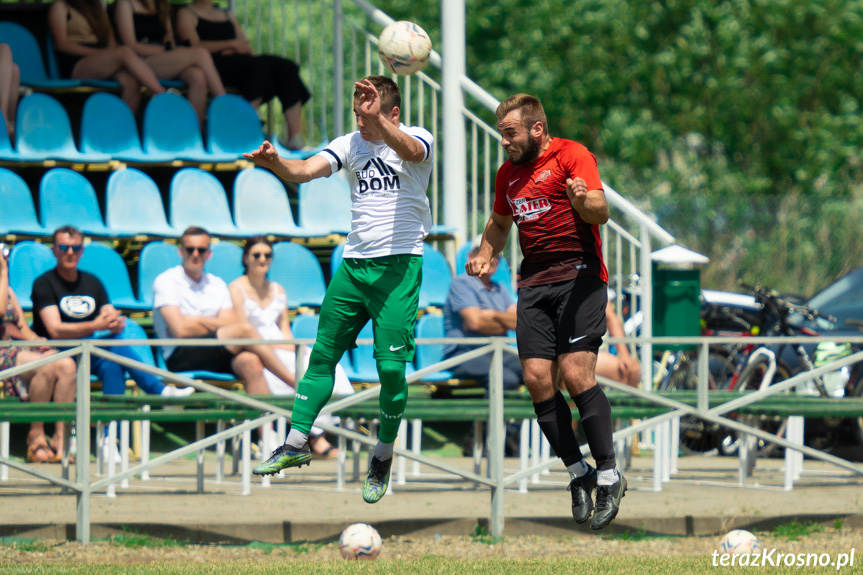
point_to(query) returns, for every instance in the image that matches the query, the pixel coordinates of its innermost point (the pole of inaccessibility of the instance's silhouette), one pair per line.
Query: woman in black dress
(145, 26)
(259, 78)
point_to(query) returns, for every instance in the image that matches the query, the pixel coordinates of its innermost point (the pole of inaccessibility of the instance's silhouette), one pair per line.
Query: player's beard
(527, 154)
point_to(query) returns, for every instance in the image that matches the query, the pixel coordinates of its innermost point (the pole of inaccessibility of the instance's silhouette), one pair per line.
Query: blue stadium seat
(297, 269)
(336, 258)
(261, 204)
(107, 265)
(44, 132)
(18, 215)
(502, 275)
(155, 258)
(364, 365)
(437, 276)
(28, 56)
(226, 261)
(233, 126)
(28, 261)
(428, 326)
(325, 206)
(198, 199)
(172, 132)
(108, 127)
(67, 198)
(305, 326)
(133, 206)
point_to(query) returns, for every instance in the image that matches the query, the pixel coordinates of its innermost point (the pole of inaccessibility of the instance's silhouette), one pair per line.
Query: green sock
(314, 389)
(394, 398)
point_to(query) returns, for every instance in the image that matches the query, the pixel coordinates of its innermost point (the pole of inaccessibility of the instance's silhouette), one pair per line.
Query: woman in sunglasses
(264, 304)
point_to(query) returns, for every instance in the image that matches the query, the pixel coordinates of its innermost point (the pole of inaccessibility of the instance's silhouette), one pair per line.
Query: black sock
(595, 414)
(555, 420)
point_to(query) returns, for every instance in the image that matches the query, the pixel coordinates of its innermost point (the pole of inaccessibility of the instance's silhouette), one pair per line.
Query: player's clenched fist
(477, 266)
(576, 189)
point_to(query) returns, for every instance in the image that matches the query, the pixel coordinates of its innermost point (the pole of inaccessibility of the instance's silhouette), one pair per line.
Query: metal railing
(497, 481)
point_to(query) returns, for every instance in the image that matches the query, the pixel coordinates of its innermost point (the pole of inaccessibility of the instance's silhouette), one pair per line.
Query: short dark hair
(530, 107)
(195, 231)
(71, 230)
(250, 243)
(389, 92)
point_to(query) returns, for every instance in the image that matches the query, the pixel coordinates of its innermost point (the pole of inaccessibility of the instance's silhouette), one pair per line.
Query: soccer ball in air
(360, 541)
(404, 48)
(739, 542)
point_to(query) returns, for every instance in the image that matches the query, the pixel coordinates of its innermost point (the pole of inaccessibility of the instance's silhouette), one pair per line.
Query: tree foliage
(721, 117)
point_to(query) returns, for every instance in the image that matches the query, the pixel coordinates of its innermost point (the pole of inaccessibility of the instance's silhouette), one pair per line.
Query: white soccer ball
(360, 541)
(739, 542)
(404, 48)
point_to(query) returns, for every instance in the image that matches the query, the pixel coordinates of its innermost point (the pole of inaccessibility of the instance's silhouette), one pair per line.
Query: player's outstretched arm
(291, 170)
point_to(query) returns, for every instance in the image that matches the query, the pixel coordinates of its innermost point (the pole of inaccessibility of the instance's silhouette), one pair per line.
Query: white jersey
(390, 211)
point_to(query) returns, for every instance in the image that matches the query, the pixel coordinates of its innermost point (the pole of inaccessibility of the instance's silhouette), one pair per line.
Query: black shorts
(215, 358)
(563, 317)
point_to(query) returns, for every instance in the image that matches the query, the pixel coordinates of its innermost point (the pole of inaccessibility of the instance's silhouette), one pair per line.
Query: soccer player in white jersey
(388, 166)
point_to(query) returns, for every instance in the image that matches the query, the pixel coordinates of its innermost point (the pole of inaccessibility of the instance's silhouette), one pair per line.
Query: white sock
(578, 469)
(607, 477)
(297, 438)
(384, 451)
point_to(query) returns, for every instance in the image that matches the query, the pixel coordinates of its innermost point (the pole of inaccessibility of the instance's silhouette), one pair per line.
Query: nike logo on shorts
(395, 348)
(575, 339)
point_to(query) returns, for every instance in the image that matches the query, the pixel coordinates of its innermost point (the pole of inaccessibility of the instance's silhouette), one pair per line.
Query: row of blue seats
(134, 207)
(109, 132)
(28, 56)
(359, 363)
(294, 266)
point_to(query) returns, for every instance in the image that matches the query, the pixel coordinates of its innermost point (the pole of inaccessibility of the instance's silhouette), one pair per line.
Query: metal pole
(495, 440)
(338, 70)
(82, 457)
(454, 132)
(703, 377)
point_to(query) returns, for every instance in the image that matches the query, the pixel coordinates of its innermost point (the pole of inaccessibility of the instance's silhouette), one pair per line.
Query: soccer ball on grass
(739, 542)
(404, 48)
(360, 541)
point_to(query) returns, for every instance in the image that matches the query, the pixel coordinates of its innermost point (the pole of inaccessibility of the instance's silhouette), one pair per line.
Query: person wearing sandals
(54, 381)
(145, 26)
(264, 304)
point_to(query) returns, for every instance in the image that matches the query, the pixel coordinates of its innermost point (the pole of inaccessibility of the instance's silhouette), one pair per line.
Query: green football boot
(283, 457)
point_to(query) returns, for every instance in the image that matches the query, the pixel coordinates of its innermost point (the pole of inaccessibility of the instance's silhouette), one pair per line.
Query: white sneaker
(171, 391)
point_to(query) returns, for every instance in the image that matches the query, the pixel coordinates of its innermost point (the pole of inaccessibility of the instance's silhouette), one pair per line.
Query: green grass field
(428, 565)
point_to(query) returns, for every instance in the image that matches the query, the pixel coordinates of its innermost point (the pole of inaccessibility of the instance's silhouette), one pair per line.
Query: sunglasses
(190, 251)
(262, 255)
(66, 247)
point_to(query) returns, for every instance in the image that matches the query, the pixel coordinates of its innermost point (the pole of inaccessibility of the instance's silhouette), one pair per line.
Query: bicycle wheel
(750, 380)
(697, 436)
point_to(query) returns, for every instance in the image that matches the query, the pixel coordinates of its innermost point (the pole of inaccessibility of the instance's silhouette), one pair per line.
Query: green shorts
(385, 290)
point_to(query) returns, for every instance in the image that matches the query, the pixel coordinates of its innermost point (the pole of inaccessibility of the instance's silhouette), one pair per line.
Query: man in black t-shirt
(72, 304)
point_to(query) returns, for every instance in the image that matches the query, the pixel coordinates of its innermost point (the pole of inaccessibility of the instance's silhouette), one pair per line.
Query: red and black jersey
(557, 244)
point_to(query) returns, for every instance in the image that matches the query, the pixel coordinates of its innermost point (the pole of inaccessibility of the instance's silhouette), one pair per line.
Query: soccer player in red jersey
(551, 188)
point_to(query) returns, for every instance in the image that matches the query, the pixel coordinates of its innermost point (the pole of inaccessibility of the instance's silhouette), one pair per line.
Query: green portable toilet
(676, 294)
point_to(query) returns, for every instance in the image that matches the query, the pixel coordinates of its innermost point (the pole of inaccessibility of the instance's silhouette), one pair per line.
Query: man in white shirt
(191, 303)
(388, 165)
